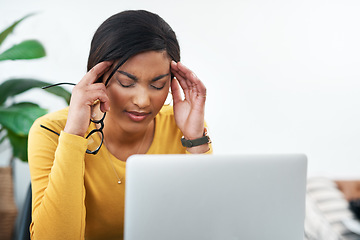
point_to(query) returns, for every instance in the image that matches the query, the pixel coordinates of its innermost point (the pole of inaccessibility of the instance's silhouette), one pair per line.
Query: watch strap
(196, 142)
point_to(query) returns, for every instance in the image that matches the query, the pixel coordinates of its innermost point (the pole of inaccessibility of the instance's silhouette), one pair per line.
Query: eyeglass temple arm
(87, 151)
(49, 129)
(57, 84)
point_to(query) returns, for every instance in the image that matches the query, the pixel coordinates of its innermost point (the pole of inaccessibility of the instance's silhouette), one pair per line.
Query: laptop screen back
(223, 197)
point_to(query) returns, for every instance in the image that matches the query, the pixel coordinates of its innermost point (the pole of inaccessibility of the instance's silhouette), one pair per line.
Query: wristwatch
(196, 142)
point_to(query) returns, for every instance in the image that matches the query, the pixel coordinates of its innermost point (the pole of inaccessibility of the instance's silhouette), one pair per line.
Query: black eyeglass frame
(100, 129)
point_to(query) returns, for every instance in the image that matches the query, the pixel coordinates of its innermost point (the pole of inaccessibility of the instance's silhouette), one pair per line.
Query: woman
(77, 169)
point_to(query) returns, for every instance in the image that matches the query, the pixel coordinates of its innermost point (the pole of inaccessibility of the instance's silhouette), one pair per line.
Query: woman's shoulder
(166, 116)
(55, 119)
(60, 115)
(165, 121)
(167, 134)
(166, 111)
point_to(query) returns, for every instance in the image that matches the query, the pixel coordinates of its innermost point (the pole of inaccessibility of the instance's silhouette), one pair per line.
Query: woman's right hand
(84, 94)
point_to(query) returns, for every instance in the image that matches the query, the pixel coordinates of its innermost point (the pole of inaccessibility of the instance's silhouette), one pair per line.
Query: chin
(134, 127)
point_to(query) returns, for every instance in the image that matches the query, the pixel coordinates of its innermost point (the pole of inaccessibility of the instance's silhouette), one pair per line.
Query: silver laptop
(215, 197)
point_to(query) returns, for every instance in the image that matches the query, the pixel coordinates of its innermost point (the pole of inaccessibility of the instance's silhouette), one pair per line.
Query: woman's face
(138, 90)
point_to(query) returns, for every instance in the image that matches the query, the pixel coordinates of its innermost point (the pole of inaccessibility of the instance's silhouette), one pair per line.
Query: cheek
(161, 97)
(116, 97)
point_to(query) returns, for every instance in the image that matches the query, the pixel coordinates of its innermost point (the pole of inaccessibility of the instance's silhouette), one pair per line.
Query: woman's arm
(189, 112)
(57, 176)
(57, 163)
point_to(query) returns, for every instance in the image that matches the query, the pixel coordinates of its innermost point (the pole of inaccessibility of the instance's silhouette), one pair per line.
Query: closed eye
(129, 80)
(125, 82)
(126, 85)
(158, 87)
(157, 83)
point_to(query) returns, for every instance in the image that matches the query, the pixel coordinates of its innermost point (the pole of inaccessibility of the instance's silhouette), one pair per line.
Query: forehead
(151, 60)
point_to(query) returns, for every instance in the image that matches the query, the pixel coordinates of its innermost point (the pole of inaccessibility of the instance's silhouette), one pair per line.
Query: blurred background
(282, 76)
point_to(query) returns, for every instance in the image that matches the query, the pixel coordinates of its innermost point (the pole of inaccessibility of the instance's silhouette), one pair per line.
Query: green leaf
(29, 49)
(16, 86)
(2, 139)
(19, 145)
(18, 118)
(11, 28)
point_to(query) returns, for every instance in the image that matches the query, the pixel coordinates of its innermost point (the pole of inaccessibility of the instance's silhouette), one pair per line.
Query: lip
(137, 116)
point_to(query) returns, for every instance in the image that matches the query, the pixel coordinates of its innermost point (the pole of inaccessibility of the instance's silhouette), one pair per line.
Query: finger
(192, 80)
(183, 70)
(174, 67)
(101, 96)
(97, 71)
(86, 94)
(198, 86)
(181, 80)
(95, 86)
(183, 84)
(179, 75)
(194, 87)
(187, 74)
(175, 91)
(105, 106)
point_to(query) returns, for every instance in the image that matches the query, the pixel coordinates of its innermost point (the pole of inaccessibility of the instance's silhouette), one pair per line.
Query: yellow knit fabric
(76, 195)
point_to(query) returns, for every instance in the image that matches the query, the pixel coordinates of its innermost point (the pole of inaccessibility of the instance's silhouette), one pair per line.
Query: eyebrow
(136, 79)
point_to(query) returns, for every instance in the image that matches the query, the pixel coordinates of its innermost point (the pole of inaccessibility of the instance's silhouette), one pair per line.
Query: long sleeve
(57, 175)
(61, 171)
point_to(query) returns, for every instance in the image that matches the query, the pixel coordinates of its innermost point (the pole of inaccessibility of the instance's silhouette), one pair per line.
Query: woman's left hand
(189, 112)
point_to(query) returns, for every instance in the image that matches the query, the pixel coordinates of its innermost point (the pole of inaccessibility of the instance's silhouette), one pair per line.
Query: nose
(141, 98)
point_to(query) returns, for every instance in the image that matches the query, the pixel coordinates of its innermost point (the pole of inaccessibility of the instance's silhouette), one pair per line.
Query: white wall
(282, 75)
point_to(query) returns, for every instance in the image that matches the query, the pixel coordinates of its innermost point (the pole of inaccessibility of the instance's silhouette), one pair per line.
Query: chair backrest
(23, 232)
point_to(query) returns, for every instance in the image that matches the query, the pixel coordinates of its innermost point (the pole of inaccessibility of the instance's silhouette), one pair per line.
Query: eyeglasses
(100, 121)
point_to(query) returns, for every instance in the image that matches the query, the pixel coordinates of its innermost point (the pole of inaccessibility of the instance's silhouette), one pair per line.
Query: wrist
(199, 149)
(73, 131)
(197, 142)
(194, 136)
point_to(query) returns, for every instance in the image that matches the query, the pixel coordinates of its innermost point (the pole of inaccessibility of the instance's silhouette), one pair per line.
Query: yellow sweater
(76, 195)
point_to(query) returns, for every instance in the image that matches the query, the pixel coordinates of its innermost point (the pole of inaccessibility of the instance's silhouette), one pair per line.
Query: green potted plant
(16, 119)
